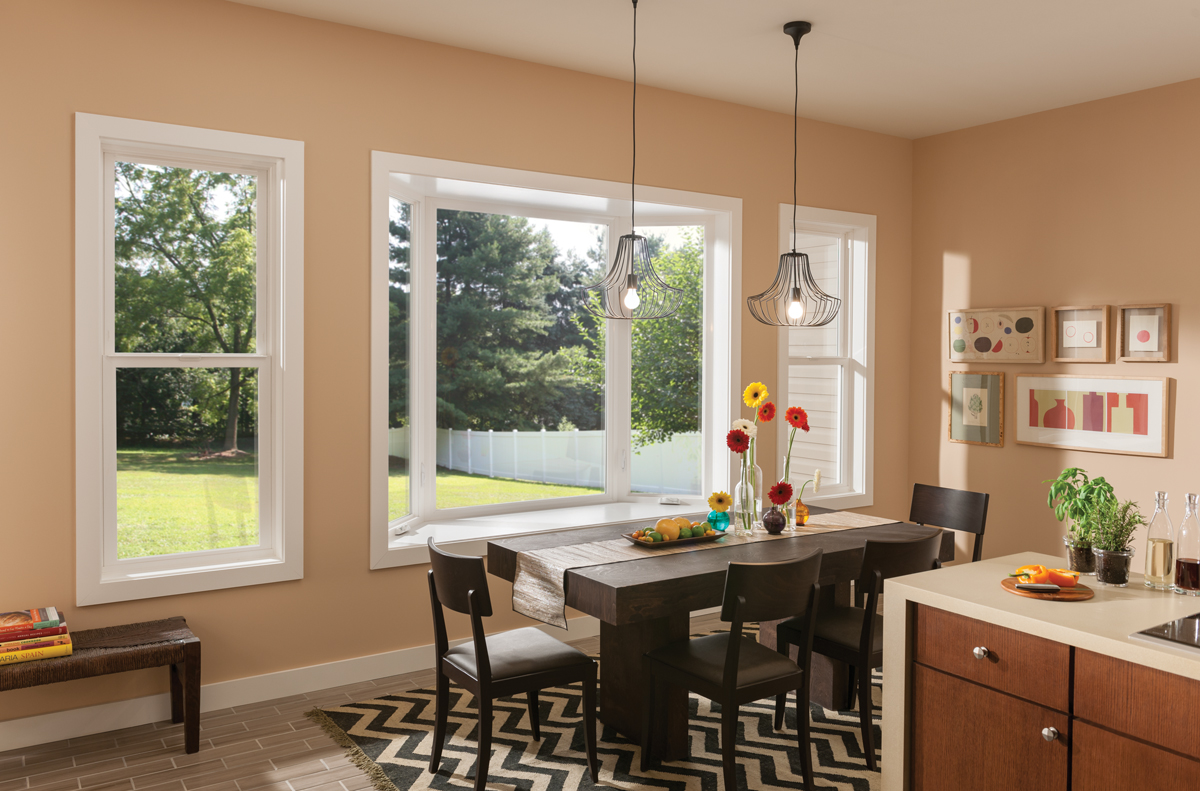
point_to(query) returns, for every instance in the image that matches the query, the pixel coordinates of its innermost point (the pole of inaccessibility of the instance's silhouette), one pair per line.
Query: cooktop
(1180, 633)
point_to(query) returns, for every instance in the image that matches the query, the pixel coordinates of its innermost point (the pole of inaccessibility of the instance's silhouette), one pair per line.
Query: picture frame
(1144, 333)
(975, 413)
(1080, 334)
(997, 335)
(1104, 414)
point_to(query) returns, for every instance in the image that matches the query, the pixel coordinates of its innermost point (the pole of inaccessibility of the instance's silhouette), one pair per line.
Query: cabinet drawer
(1103, 759)
(1020, 664)
(966, 736)
(1148, 704)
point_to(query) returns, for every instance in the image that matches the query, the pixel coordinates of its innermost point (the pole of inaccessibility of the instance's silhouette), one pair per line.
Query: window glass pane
(520, 366)
(816, 388)
(824, 253)
(665, 408)
(186, 260)
(187, 460)
(399, 294)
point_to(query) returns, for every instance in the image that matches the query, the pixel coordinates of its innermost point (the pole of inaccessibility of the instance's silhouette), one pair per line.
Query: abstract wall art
(1080, 334)
(1010, 335)
(1144, 333)
(1108, 414)
(976, 414)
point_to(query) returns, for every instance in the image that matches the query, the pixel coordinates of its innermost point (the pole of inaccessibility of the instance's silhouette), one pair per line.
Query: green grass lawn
(456, 489)
(169, 501)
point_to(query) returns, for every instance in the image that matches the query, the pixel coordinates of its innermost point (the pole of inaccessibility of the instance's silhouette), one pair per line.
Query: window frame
(721, 217)
(856, 350)
(279, 359)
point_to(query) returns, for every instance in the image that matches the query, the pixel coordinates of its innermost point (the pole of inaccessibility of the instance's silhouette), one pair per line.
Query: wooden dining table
(644, 604)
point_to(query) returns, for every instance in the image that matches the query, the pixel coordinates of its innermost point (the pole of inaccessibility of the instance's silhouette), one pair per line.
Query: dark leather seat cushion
(843, 626)
(705, 657)
(518, 653)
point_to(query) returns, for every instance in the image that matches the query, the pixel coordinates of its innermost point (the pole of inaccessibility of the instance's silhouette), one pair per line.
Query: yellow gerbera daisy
(755, 394)
(719, 502)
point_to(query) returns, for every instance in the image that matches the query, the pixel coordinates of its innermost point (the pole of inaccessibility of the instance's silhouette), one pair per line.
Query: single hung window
(188, 367)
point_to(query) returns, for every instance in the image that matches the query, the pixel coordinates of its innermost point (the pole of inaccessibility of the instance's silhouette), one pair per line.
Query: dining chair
(731, 669)
(496, 666)
(956, 509)
(854, 635)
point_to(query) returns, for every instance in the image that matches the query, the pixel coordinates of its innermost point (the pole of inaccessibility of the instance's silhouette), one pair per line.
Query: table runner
(539, 586)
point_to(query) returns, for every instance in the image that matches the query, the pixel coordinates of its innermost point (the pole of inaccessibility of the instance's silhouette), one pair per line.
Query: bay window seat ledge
(469, 536)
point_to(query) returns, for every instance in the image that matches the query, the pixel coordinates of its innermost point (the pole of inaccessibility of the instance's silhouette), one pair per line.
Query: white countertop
(1101, 624)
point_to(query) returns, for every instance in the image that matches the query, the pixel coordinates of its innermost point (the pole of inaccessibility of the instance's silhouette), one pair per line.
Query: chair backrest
(455, 576)
(770, 590)
(953, 508)
(886, 559)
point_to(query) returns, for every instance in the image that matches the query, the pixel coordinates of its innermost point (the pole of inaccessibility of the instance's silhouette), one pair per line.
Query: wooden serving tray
(679, 542)
(1080, 592)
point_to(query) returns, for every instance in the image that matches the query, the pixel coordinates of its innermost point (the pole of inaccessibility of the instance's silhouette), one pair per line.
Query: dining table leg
(830, 683)
(622, 680)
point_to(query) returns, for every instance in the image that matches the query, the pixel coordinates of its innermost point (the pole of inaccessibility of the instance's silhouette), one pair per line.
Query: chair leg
(532, 699)
(729, 723)
(864, 715)
(802, 734)
(851, 687)
(589, 724)
(485, 742)
(780, 706)
(441, 702)
(649, 685)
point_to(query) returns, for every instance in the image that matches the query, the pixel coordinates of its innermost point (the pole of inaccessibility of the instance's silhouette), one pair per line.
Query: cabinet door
(966, 736)
(1103, 759)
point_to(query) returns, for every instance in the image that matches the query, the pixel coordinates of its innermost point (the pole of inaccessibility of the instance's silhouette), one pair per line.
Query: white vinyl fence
(574, 458)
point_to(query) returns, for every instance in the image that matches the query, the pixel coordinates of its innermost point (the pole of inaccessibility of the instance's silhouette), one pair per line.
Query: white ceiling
(905, 67)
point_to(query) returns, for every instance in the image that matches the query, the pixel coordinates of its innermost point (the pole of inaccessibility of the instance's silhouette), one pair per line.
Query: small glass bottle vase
(747, 500)
(1187, 550)
(1160, 546)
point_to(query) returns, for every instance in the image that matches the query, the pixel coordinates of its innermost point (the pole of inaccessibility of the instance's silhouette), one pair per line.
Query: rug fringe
(374, 771)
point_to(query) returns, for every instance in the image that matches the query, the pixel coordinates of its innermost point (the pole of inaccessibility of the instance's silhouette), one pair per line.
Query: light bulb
(632, 300)
(796, 307)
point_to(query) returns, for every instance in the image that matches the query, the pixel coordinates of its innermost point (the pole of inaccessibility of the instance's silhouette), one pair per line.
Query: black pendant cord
(633, 175)
(795, 145)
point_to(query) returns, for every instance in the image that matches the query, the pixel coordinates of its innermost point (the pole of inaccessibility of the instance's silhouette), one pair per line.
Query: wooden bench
(116, 649)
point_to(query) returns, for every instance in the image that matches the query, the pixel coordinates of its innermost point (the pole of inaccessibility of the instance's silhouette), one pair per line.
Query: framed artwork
(976, 415)
(1144, 333)
(1080, 334)
(1107, 414)
(1003, 335)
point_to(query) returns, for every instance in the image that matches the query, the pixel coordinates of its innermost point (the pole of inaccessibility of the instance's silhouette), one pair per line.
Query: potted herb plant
(1111, 525)
(1073, 494)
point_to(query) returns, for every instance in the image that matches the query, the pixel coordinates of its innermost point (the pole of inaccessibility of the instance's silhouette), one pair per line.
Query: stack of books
(33, 634)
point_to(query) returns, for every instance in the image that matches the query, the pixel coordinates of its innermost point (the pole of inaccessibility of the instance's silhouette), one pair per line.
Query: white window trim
(100, 578)
(402, 542)
(857, 347)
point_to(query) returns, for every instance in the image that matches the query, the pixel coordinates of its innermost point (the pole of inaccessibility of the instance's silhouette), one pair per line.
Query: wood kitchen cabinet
(995, 708)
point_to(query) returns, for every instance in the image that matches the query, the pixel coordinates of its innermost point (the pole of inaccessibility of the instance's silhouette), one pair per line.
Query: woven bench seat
(117, 649)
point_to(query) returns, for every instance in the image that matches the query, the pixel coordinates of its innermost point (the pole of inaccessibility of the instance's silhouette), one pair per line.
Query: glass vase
(1080, 558)
(1112, 567)
(774, 521)
(719, 520)
(747, 499)
(800, 514)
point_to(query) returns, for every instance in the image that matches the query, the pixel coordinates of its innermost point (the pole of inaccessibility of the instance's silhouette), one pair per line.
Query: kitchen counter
(1101, 625)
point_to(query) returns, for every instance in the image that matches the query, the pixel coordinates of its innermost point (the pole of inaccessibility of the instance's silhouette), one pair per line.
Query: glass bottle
(1187, 550)
(747, 499)
(1160, 546)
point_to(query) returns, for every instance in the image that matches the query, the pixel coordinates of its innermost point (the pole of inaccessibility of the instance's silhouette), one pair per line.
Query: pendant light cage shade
(631, 269)
(794, 286)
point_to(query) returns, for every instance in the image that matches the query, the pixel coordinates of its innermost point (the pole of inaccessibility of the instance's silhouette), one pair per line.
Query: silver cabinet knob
(1050, 734)
(980, 652)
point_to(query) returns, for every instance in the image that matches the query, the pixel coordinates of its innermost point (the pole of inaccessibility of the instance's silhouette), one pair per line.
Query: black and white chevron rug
(389, 738)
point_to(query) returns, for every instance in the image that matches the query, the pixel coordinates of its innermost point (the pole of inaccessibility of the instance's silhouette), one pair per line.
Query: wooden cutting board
(1080, 592)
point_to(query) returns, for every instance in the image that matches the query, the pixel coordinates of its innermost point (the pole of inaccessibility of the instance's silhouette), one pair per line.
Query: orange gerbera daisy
(797, 417)
(766, 412)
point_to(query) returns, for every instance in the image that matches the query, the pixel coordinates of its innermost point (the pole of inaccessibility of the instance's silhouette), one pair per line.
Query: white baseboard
(73, 723)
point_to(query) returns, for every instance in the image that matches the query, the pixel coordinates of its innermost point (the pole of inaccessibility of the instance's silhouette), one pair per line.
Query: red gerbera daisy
(738, 441)
(780, 493)
(797, 417)
(766, 412)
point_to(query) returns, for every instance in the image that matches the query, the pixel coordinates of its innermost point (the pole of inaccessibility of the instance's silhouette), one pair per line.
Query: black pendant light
(794, 299)
(631, 289)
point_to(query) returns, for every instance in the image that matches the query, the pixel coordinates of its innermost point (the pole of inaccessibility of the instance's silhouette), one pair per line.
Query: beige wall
(344, 92)
(1091, 204)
